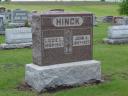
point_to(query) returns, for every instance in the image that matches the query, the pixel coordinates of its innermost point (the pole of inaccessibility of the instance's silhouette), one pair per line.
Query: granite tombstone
(8, 15)
(2, 25)
(118, 20)
(18, 35)
(108, 19)
(62, 38)
(62, 50)
(17, 38)
(117, 34)
(19, 16)
(126, 20)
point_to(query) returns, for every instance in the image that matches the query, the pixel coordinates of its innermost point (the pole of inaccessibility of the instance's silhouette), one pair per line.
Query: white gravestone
(18, 35)
(117, 34)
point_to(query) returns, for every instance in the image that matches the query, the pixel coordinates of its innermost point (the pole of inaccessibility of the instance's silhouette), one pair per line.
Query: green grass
(99, 10)
(114, 60)
(2, 39)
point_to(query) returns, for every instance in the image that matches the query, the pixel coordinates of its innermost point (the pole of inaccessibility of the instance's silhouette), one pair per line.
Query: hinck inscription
(67, 21)
(58, 42)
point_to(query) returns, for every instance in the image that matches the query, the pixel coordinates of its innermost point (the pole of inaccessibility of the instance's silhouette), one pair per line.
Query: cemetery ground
(114, 60)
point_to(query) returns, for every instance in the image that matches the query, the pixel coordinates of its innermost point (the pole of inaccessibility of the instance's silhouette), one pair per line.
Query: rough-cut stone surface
(115, 41)
(14, 46)
(118, 32)
(41, 77)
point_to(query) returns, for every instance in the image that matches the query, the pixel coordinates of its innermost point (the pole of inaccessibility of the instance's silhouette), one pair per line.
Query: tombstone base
(14, 46)
(115, 41)
(74, 73)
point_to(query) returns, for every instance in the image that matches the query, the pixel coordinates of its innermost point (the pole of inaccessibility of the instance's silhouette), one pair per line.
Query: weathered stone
(118, 32)
(117, 35)
(118, 20)
(18, 35)
(8, 15)
(19, 16)
(108, 19)
(2, 24)
(74, 73)
(100, 19)
(15, 46)
(126, 20)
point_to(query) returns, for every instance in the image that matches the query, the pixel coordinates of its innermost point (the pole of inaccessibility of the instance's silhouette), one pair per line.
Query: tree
(124, 7)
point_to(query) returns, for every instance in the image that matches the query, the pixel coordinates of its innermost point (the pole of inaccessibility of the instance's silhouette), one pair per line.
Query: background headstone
(100, 19)
(18, 35)
(2, 24)
(126, 20)
(19, 16)
(118, 20)
(8, 15)
(117, 34)
(108, 19)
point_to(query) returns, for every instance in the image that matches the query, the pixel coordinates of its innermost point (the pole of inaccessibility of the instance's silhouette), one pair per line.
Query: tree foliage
(124, 7)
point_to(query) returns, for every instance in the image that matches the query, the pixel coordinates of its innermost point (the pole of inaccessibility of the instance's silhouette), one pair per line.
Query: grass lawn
(114, 60)
(99, 10)
(2, 39)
